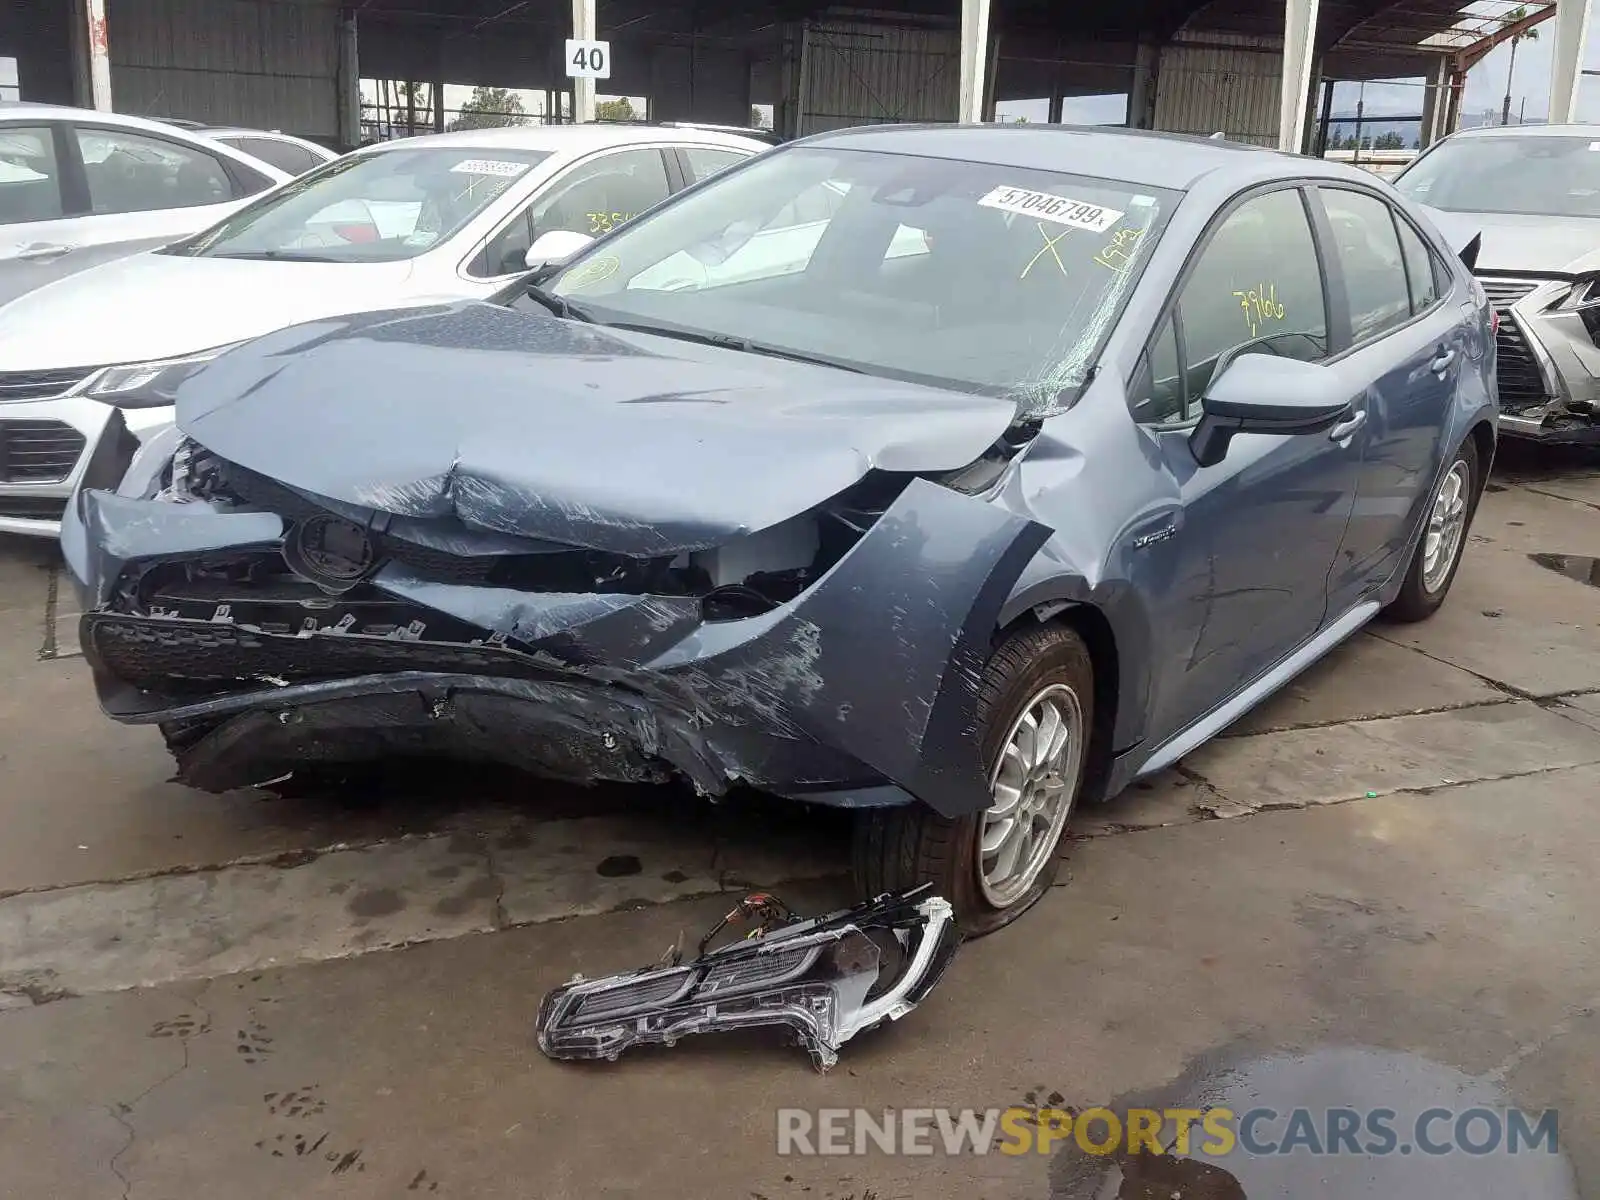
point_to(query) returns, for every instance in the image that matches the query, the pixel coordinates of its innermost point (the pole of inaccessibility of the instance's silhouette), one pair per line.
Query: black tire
(1417, 601)
(899, 848)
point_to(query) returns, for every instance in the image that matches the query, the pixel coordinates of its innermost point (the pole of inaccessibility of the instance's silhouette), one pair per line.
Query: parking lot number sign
(588, 60)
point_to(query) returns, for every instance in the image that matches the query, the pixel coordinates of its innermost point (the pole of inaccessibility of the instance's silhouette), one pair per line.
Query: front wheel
(1035, 715)
(1437, 557)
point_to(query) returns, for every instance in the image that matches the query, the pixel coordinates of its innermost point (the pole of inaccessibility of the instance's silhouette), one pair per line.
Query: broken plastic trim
(823, 979)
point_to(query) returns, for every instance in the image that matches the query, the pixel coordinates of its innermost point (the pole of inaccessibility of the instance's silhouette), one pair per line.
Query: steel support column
(349, 81)
(583, 89)
(94, 14)
(1572, 29)
(1299, 38)
(974, 59)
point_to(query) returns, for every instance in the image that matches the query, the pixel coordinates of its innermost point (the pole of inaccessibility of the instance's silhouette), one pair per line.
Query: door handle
(1442, 361)
(42, 252)
(1345, 429)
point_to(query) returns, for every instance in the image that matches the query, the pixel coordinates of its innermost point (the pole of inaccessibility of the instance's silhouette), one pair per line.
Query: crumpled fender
(884, 656)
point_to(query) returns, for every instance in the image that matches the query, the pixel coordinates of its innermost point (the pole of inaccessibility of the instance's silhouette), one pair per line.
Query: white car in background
(79, 187)
(419, 220)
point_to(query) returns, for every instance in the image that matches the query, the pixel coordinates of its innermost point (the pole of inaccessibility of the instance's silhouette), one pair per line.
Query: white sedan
(443, 217)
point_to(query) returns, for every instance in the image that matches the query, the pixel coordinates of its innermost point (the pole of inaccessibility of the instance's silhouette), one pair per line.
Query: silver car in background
(410, 222)
(1534, 193)
(79, 187)
(282, 150)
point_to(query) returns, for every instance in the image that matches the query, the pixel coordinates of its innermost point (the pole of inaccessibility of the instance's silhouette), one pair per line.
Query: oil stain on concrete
(1385, 1090)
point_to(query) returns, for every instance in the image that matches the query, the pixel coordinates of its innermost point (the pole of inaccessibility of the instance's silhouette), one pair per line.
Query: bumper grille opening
(1517, 372)
(39, 385)
(33, 508)
(38, 451)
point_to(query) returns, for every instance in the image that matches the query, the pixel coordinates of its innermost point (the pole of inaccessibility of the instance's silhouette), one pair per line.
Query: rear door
(1408, 347)
(35, 203)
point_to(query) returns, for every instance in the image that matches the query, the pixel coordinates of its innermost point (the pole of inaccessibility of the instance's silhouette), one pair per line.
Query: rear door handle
(1348, 427)
(43, 252)
(1442, 362)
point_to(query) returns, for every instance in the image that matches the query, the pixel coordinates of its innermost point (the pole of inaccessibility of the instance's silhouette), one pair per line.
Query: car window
(134, 172)
(378, 206)
(602, 194)
(1423, 269)
(506, 253)
(30, 184)
(1369, 256)
(997, 279)
(705, 162)
(1510, 173)
(1159, 398)
(286, 156)
(1256, 288)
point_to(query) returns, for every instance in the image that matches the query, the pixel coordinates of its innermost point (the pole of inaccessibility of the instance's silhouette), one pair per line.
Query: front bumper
(46, 448)
(825, 698)
(1548, 368)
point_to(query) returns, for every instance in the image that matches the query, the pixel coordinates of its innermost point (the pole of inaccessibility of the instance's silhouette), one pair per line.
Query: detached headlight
(148, 384)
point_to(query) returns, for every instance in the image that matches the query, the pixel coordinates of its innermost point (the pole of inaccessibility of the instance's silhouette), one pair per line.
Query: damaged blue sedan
(955, 475)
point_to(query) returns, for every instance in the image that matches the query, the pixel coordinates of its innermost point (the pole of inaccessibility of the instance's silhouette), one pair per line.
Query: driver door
(1246, 557)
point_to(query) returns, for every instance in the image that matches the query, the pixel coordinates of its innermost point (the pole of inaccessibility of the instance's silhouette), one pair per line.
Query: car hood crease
(532, 426)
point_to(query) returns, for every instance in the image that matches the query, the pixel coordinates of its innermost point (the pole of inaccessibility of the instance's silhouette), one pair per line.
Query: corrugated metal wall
(273, 64)
(1232, 88)
(855, 74)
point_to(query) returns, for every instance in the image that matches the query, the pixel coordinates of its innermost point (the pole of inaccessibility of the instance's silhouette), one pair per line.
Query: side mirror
(1262, 393)
(554, 247)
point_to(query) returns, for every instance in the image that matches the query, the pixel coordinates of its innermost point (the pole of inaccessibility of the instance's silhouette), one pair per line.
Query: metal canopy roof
(1427, 25)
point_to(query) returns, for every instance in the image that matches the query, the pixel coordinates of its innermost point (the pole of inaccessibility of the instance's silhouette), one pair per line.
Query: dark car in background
(1036, 458)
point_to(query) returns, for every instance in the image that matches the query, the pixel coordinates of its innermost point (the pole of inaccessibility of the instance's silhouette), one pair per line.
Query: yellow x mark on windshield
(1049, 248)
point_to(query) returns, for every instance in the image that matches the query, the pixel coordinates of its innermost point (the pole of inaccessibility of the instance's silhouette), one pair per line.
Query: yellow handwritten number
(1260, 304)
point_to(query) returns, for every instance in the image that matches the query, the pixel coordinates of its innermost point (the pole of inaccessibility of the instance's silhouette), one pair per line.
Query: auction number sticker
(489, 166)
(1048, 207)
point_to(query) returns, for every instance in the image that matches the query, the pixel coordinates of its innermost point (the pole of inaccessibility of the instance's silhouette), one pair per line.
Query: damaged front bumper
(859, 692)
(824, 980)
(1548, 360)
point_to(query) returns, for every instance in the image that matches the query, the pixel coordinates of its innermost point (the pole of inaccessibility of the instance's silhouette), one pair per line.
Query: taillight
(1494, 321)
(357, 233)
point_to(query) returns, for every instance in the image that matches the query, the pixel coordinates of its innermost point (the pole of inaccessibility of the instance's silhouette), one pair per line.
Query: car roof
(1140, 156)
(568, 139)
(1574, 130)
(33, 110)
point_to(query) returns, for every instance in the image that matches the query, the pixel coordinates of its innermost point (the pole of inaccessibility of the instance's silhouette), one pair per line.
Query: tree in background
(620, 109)
(489, 107)
(1527, 35)
(1389, 141)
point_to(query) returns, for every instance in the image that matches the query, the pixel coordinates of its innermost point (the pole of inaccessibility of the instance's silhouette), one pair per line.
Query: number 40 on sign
(588, 60)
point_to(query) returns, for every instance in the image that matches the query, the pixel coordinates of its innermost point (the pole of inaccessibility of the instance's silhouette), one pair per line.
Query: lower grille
(39, 385)
(1517, 373)
(1521, 385)
(163, 654)
(38, 451)
(33, 508)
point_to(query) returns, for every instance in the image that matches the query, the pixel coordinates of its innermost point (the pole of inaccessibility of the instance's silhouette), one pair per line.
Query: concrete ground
(1379, 890)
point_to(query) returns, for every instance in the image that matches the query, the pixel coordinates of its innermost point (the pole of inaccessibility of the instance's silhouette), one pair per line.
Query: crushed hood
(1529, 245)
(524, 424)
(152, 306)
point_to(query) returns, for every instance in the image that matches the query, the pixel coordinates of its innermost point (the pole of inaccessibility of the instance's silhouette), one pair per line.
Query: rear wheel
(1438, 554)
(1035, 715)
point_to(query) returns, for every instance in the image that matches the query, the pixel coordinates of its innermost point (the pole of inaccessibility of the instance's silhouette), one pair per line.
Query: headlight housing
(148, 384)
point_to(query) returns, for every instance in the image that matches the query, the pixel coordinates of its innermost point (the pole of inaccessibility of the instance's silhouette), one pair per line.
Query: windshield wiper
(728, 342)
(559, 305)
(277, 256)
